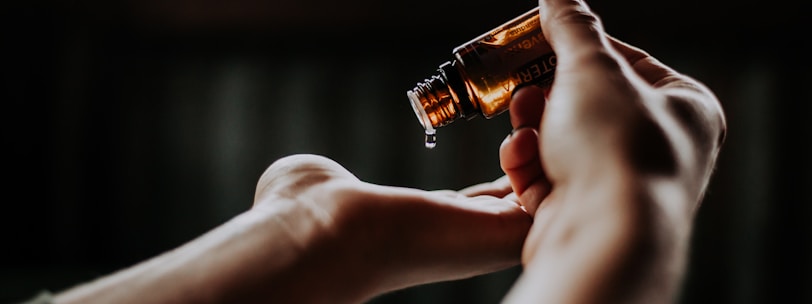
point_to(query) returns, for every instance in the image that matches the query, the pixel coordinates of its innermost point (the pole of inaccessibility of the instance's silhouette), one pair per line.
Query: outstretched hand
(373, 238)
(317, 234)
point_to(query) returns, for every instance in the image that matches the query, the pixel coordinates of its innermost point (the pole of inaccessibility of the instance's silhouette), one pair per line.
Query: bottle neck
(442, 98)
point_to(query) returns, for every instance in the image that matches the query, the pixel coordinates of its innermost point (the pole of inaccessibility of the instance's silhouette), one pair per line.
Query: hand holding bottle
(612, 162)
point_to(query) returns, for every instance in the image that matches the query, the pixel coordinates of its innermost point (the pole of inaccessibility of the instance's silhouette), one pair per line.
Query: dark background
(132, 127)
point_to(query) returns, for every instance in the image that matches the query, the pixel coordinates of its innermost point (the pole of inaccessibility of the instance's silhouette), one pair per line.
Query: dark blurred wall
(132, 127)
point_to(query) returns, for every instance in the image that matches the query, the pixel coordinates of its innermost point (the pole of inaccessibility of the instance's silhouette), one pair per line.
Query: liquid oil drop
(431, 139)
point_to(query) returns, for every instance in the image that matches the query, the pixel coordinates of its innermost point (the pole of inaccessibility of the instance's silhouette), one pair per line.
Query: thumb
(519, 159)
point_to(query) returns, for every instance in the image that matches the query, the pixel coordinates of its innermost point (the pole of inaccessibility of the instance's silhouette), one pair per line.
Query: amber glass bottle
(483, 73)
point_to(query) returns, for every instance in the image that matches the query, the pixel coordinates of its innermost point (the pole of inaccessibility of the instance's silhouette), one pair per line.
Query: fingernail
(508, 137)
(512, 132)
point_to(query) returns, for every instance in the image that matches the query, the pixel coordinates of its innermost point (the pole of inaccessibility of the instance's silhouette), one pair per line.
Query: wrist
(615, 227)
(327, 232)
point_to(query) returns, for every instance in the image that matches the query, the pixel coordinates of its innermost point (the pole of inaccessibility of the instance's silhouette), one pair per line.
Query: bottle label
(524, 55)
(510, 56)
(539, 71)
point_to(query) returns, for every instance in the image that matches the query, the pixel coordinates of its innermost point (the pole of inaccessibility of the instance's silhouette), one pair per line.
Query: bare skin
(604, 173)
(613, 167)
(317, 234)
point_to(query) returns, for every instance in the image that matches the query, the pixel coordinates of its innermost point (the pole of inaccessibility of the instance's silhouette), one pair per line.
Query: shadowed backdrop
(134, 126)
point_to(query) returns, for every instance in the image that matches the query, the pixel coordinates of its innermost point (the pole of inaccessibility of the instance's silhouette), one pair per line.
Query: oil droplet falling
(431, 139)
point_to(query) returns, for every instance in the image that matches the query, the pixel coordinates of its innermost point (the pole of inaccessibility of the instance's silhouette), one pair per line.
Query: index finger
(498, 188)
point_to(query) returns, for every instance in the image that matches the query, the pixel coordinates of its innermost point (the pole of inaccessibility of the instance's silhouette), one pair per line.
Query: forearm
(255, 257)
